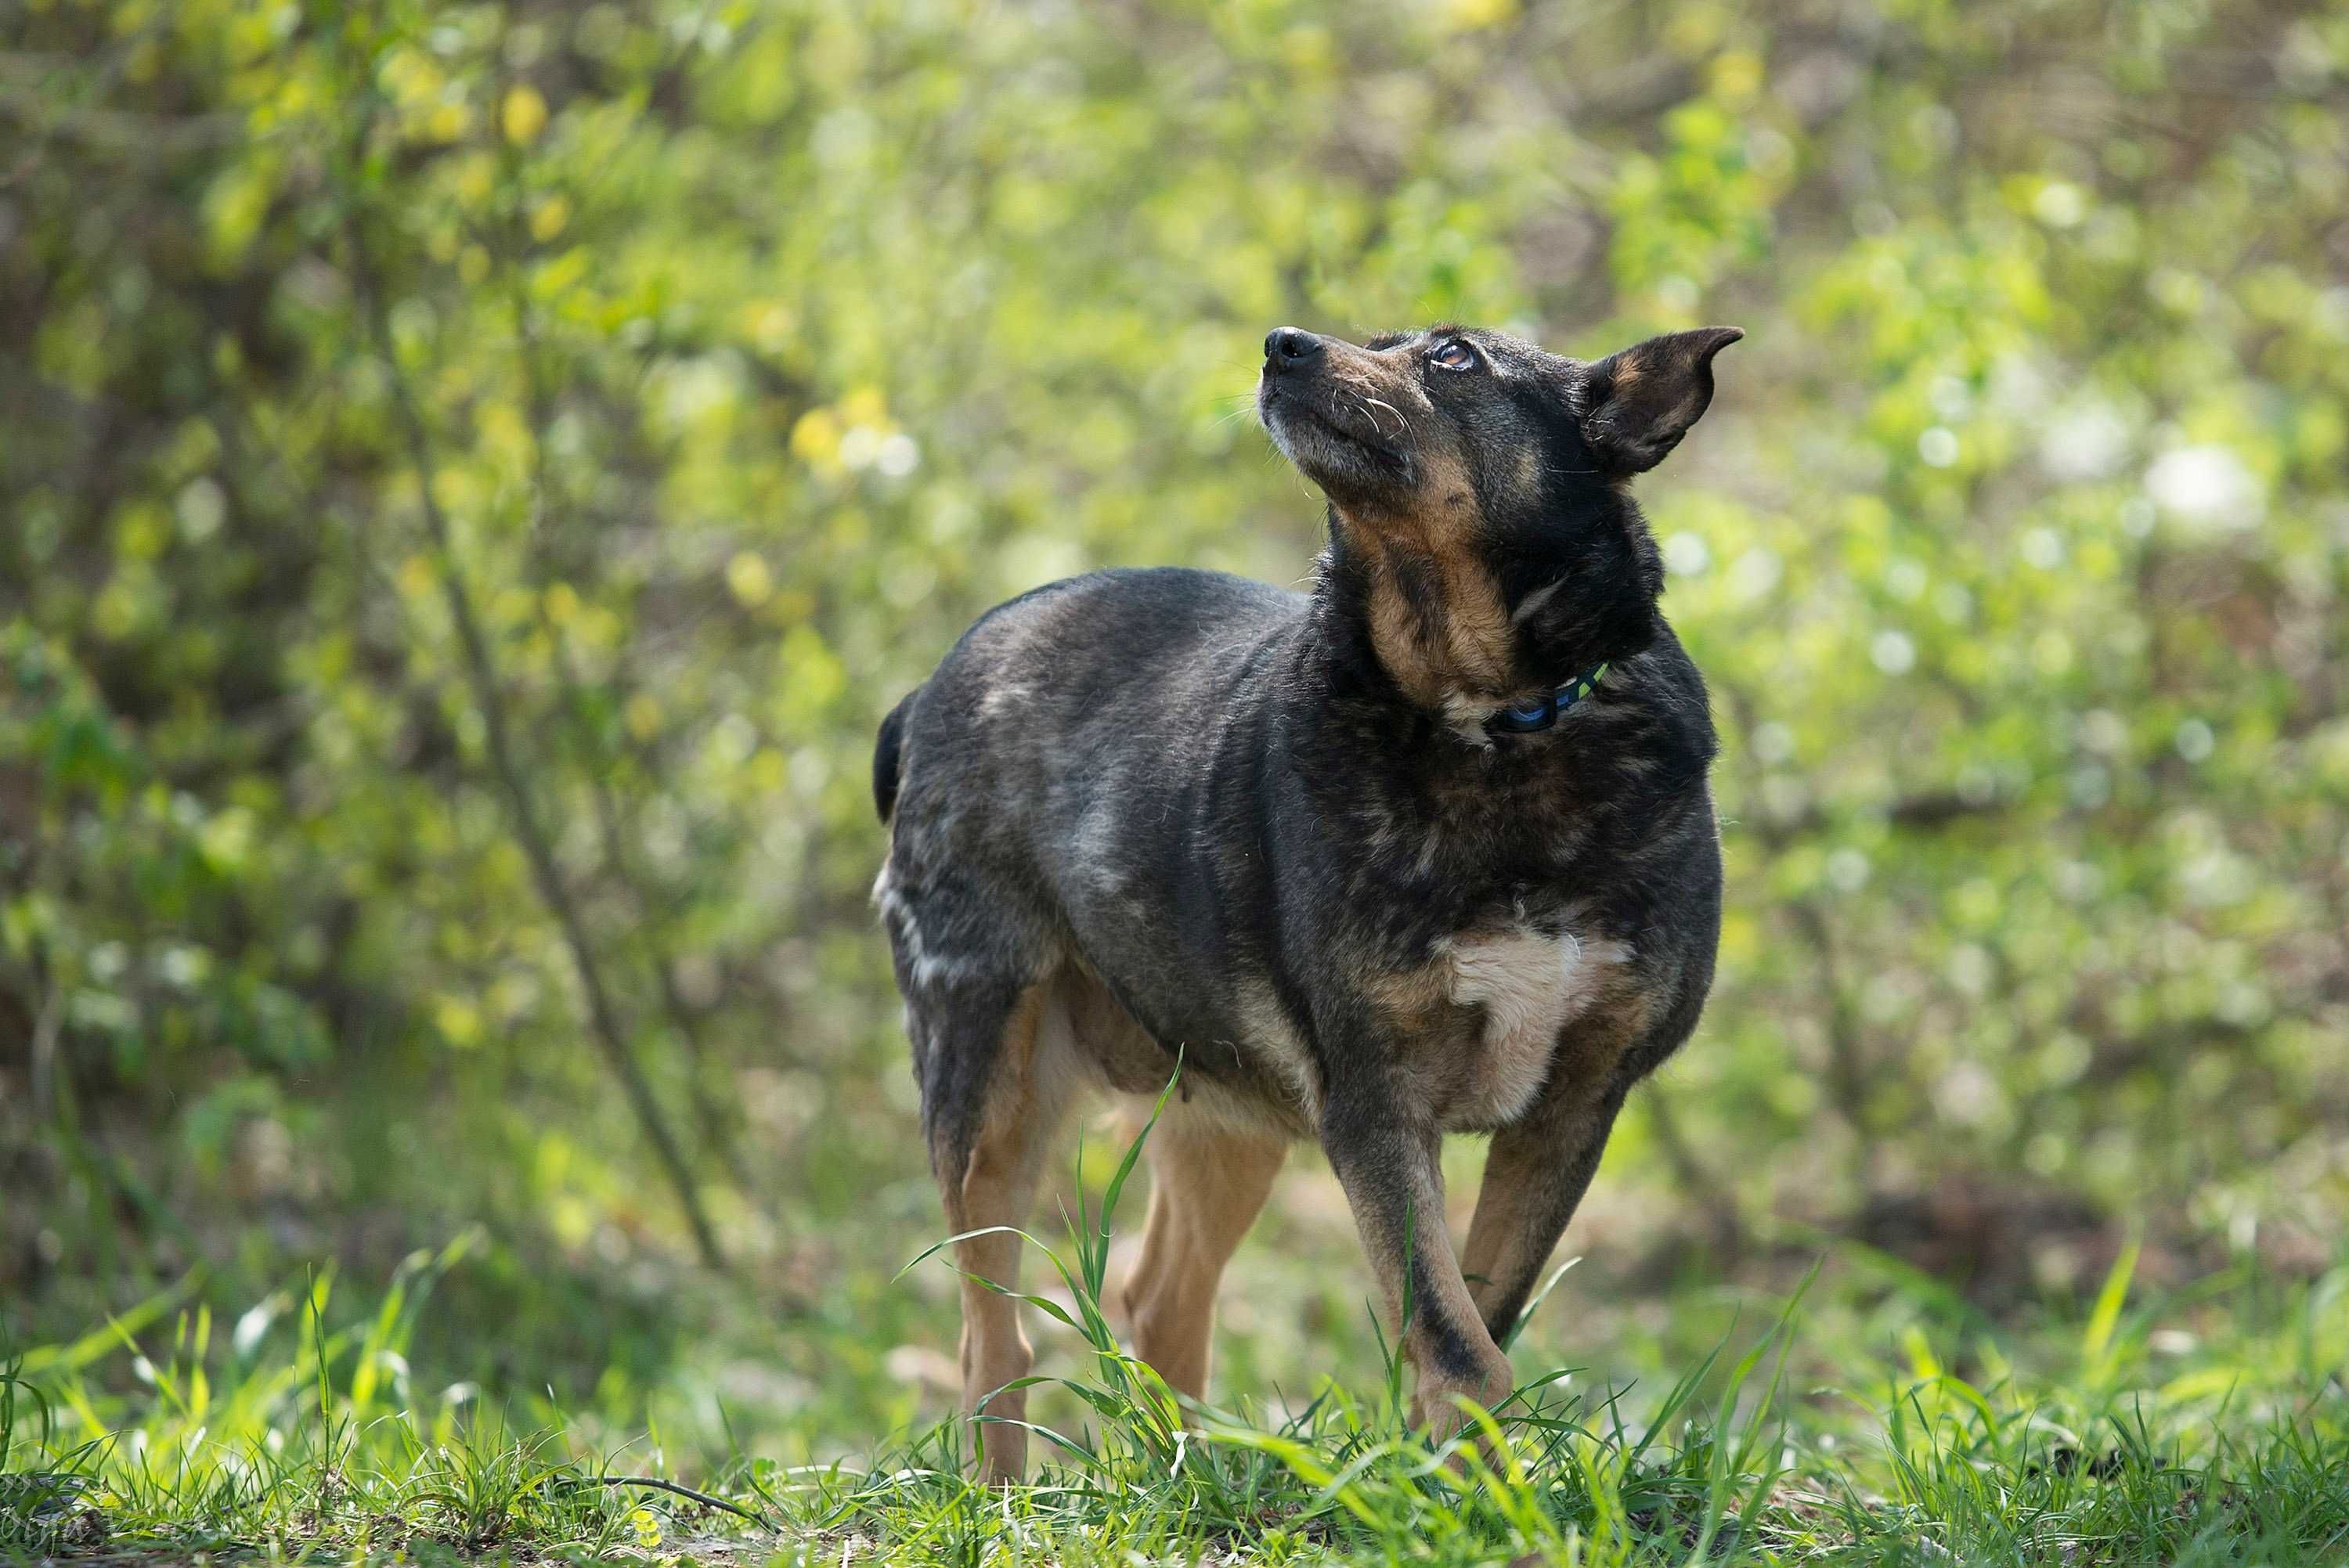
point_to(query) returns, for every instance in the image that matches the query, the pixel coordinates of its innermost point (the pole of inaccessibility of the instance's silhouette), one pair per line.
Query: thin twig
(657, 1484)
(481, 677)
(715, 1128)
(47, 1024)
(1847, 1073)
(1711, 1194)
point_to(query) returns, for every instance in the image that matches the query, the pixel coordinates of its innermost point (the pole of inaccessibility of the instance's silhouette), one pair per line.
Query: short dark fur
(1144, 812)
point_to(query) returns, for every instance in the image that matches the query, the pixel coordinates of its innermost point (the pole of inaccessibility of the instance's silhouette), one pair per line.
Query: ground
(1860, 1412)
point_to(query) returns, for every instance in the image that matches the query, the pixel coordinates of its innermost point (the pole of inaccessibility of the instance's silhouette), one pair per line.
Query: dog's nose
(1289, 347)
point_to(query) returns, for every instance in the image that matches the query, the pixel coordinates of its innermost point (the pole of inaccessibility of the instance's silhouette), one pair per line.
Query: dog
(1429, 848)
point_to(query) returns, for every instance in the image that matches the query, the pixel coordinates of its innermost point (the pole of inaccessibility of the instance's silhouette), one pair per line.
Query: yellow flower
(524, 115)
(748, 576)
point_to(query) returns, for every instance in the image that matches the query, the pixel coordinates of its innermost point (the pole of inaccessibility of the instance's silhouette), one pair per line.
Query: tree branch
(712, 1122)
(1712, 1196)
(481, 679)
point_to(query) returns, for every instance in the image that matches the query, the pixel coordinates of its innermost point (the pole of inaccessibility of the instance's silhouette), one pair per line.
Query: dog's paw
(1436, 1404)
(1003, 1455)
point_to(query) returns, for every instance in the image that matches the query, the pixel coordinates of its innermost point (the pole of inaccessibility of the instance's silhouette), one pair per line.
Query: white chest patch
(1530, 985)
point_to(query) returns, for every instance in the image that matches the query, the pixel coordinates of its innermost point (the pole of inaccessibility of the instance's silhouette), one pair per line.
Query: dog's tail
(886, 753)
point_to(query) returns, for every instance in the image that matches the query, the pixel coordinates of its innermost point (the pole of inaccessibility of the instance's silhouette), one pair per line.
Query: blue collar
(1541, 712)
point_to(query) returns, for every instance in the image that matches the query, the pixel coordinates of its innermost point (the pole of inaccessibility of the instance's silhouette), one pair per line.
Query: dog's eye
(1455, 356)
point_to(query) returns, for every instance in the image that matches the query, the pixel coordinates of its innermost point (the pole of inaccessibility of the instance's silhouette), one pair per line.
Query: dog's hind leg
(1207, 1184)
(1000, 1076)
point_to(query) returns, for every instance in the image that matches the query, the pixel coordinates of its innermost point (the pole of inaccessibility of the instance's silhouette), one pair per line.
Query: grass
(2208, 1425)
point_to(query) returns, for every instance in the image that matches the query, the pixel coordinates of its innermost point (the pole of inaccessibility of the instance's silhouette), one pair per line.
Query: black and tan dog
(1429, 849)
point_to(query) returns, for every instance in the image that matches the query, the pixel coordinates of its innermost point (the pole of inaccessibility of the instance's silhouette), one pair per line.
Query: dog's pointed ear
(1637, 403)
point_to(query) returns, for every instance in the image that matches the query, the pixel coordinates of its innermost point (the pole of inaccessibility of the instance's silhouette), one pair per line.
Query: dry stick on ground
(654, 1483)
(481, 675)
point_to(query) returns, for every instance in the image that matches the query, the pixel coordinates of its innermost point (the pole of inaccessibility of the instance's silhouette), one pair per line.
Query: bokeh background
(472, 478)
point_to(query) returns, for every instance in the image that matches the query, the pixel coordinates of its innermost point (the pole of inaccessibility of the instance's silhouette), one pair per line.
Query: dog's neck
(1431, 610)
(1459, 634)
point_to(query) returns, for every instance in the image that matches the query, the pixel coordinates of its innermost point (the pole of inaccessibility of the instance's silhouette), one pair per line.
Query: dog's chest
(1504, 997)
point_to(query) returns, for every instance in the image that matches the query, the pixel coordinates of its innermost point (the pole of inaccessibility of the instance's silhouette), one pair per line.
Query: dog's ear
(1637, 403)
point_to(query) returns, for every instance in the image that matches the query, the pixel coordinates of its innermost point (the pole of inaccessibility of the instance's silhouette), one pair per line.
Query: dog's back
(888, 753)
(1061, 756)
(1037, 707)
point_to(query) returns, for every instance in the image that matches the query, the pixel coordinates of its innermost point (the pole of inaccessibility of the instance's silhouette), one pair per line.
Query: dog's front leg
(1391, 1167)
(1534, 1177)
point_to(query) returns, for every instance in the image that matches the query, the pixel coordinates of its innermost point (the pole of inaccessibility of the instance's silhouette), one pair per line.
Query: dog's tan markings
(1465, 715)
(1517, 1221)
(1409, 998)
(1034, 1077)
(1530, 605)
(1591, 1053)
(1529, 986)
(1116, 1051)
(1538, 1167)
(1521, 1031)
(1208, 1184)
(1487, 1013)
(1444, 1338)
(1275, 1041)
(1526, 476)
(1437, 619)
(1424, 1063)
(1507, 1208)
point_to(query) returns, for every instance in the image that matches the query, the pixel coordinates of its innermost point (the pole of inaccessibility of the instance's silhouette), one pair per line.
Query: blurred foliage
(716, 362)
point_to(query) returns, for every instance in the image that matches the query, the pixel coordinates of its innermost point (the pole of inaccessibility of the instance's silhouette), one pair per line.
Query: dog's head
(1399, 427)
(1490, 457)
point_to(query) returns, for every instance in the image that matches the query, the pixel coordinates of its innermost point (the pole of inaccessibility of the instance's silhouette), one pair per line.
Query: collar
(1541, 712)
